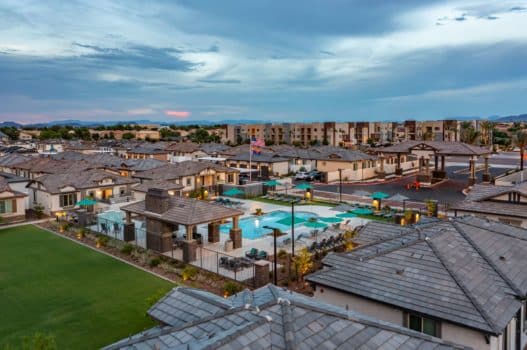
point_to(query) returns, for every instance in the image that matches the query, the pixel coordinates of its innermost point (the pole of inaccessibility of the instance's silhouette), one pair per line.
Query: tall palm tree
(521, 141)
(486, 130)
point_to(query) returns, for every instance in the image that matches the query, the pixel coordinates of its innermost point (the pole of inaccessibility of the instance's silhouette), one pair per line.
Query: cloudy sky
(294, 60)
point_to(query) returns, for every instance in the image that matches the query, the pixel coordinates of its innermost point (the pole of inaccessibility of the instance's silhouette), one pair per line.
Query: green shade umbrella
(304, 186)
(331, 219)
(315, 224)
(233, 192)
(362, 211)
(86, 202)
(287, 220)
(272, 183)
(379, 195)
(346, 215)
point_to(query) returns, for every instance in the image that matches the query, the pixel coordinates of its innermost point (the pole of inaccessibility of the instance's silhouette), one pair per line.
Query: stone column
(427, 166)
(398, 170)
(236, 233)
(261, 273)
(436, 163)
(472, 168)
(214, 232)
(442, 163)
(381, 172)
(486, 174)
(190, 232)
(421, 161)
(190, 248)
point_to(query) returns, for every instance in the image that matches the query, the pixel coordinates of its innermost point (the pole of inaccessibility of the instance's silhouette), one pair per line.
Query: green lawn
(85, 299)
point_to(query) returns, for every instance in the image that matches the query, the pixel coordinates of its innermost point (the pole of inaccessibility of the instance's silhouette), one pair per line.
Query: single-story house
(12, 203)
(461, 280)
(140, 190)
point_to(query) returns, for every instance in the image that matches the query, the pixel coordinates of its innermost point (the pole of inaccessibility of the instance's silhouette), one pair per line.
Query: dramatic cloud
(290, 60)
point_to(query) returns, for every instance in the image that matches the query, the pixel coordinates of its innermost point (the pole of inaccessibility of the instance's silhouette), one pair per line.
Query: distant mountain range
(79, 123)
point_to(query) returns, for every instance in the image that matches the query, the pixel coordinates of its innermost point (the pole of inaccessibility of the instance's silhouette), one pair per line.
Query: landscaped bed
(83, 298)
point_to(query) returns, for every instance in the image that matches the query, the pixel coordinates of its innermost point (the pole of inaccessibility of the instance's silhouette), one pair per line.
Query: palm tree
(486, 130)
(521, 141)
(468, 133)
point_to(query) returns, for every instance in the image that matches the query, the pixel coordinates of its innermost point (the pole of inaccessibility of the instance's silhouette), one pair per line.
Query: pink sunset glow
(178, 114)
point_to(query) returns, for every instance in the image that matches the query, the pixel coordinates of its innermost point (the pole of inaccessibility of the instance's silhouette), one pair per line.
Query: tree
(468, 133)
(11, 131)
(521, 141)
(486, 132)
(303, 262)
(128, 136)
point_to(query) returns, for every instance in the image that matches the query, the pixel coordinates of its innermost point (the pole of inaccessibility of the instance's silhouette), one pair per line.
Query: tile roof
(164, 185)
(466, 271)
(186, 211)
(176, 171)
(80, 179)
(268, 318)
(480, 200)
(110, 161)
(11, 159)
(441, 147)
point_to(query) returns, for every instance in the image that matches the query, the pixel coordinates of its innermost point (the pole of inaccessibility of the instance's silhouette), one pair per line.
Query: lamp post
(275, 233)
(340, 185)
(293, 228)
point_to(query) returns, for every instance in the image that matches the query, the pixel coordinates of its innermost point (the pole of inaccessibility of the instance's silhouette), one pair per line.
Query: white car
(301, 175)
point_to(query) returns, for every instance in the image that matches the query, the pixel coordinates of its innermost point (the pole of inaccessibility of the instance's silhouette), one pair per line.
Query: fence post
(217, 263)
(201, 256)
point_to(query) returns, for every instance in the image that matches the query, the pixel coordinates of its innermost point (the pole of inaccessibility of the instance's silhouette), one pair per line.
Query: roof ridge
(498, 232)
(189, 291)
(474, 302)
(287, 323)
(236, 330)
(488, 260)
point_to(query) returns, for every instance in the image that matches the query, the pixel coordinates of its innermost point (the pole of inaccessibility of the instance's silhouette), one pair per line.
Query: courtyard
(83, 298)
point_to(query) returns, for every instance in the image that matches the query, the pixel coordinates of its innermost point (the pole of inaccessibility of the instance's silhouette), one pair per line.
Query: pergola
(438, 150)
(164, 214)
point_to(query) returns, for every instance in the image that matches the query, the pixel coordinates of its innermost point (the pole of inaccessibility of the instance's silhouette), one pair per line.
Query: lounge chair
(262, 255)
(245, 262)
(252, 254)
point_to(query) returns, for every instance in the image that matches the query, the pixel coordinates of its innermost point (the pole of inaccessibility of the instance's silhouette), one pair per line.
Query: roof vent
(268, 318)
(403, 242)
(399, 271)
(502, 258)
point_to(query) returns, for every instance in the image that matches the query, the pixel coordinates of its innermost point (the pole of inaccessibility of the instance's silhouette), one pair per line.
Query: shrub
(39, 210)
(282, 254)
(101, 241)
(231, 288)
(127, 249)
(154, 262)
(189, 273)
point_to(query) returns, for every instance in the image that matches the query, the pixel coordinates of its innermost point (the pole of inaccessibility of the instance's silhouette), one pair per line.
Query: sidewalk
(23, 223)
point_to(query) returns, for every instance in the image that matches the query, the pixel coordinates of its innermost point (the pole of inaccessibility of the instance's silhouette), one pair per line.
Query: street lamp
(340, 185)
(275, 234)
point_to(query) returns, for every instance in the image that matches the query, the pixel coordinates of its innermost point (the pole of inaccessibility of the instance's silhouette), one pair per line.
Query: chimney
(157, 200)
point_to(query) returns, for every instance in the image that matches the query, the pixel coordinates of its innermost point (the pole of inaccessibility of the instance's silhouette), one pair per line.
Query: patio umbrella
(346, 215)
(398, 197)
(361, 193)
(379, 195)
(315, 224)
(362, 211)
(303, 186)
(233, 192)
(287, 220)
(331, 219)
(86, 202)
(272, 183)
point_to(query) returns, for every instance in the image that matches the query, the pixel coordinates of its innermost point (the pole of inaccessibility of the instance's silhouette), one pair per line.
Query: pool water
(252, 227)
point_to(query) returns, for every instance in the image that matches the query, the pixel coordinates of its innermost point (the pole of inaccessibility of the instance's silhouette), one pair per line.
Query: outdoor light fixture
(308, 195)
(376, 204)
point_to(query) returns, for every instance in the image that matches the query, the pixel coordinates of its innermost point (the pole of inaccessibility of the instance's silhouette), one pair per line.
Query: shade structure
(398, 197)
(272, 183)
(346, 215)
(361, 193)
(362, 211)
(287, 220)
(332, 219)
(304, 186)
(233, 192)
(379, 195)
(315, 224)
(86, 202)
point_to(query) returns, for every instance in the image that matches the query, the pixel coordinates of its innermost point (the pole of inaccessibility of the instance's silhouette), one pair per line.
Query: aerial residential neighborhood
(240, 175)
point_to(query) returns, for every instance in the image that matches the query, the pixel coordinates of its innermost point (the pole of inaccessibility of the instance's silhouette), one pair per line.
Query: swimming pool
(252, 227)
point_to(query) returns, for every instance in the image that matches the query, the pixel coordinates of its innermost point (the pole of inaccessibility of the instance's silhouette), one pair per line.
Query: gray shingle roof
(164, 185)
(270, 318)
(176, 171)
(465, 271)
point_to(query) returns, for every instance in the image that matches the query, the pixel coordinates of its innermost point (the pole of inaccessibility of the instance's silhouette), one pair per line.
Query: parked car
(314, 175)
(301, 175)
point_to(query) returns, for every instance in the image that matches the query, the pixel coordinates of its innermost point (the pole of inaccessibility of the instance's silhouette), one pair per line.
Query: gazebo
(437, 150)
(164, 213)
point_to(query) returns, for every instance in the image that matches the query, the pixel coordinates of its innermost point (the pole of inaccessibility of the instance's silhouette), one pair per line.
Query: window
(355, 166)
(424, 325)
(7, 207)
(68, 199)
(122, 191)
(188, 181)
